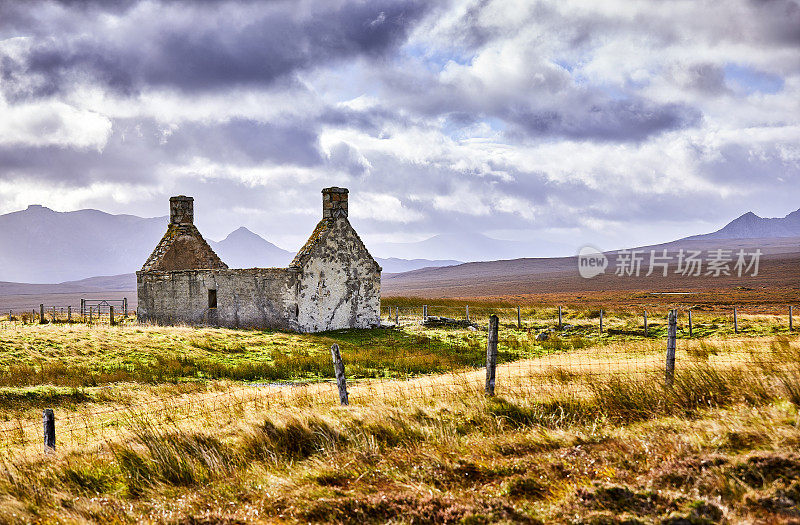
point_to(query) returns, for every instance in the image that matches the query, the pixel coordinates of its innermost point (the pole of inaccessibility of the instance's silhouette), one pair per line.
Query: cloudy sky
(556, 123)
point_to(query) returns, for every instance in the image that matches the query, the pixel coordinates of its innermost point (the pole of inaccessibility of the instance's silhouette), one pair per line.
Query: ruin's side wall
(340, 284)
(250, 298)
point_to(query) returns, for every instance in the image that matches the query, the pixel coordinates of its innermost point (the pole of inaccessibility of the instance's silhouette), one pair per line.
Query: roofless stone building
(332, 283)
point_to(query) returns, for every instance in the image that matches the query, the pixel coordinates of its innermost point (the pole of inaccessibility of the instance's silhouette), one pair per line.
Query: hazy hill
(39, 245)
(470, 246)
(245, 249)
(778, 239)
(750, 226)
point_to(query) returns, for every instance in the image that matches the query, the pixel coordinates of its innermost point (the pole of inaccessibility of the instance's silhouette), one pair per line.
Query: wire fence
(107, 311)
(435, 353)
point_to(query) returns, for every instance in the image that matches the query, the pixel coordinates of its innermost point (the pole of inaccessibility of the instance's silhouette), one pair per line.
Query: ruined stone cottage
(332, 283)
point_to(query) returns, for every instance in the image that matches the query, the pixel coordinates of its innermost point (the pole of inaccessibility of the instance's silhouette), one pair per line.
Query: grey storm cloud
(490, 116)
(136, 147)
(200, 46)
(614, 120)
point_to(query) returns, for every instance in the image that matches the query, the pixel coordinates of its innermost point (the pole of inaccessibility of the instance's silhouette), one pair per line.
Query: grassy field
(174, 424)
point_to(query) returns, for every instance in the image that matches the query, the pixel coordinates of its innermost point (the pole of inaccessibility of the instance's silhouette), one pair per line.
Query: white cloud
(52, 123)
(382, 208)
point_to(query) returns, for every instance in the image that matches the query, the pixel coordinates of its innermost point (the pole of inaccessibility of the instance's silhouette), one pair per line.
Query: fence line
(559, 362)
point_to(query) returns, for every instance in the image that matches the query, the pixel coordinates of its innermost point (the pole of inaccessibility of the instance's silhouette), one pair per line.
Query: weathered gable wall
(251, 298)
(339, 283)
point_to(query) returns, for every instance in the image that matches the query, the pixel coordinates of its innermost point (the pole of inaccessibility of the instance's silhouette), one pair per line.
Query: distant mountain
(750, 226)
(245, 249)
(778, 240)
(124, 282)
(39, 245)
(395, 265)
(471, 247)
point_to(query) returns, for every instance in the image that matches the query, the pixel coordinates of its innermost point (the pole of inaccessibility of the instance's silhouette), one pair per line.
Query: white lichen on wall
(339, 283)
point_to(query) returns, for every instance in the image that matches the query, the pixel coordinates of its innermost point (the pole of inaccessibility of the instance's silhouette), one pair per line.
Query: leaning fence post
(672, 333)
(468, 313)
(491, 355)
(49, 424)
(645, 323)
(559, 318)
(690, 323)
(519, 319)
(338, 368)
(735, 322)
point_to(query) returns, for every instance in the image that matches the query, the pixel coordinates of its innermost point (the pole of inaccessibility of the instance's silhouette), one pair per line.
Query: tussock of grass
(500, 459)
(581, 431)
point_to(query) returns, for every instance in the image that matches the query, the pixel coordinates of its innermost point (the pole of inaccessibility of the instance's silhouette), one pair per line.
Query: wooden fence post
(559, 318)
(338, 368)
(735, 322)
(467, 313)
(54, 314)
(645, 323)
(49, 424)
(41, 314)
(69, 314)
(424, 312)
(491, 355)
(397, 315)
(690, 323)
(672, 332)
(601, 321)
(519, 319)
(790, 318)
(111, 315)
(91, 311)
(83, 308)
(125, 307)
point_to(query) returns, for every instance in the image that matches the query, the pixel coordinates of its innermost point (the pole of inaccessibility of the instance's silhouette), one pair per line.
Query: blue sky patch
(748, 80)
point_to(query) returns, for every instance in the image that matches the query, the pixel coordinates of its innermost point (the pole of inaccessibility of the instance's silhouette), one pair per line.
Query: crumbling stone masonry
(332, 283)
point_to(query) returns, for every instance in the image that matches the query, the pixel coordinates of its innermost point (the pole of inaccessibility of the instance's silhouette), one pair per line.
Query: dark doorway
(212, 298)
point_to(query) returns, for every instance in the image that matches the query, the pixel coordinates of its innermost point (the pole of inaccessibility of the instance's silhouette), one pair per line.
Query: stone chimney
(181, 210)
(334, 203)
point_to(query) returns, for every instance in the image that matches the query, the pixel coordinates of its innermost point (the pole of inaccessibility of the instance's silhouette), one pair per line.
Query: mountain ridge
(750, 226)
(39, 245)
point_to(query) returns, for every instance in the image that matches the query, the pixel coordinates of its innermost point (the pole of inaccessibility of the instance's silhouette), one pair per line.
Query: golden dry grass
(573, 431)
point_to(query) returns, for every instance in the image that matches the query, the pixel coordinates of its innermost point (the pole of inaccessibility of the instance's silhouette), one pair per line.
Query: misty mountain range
(39, 245)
